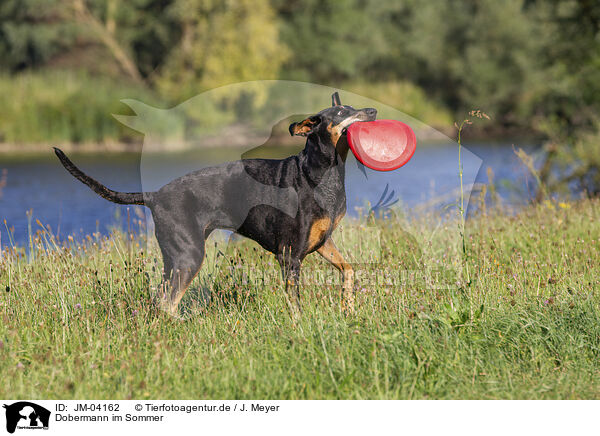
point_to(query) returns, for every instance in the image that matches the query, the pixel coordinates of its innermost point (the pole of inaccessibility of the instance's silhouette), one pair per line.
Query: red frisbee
(382, 145)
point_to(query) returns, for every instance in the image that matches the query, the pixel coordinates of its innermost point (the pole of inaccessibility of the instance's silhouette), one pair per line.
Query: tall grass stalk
(461, 207)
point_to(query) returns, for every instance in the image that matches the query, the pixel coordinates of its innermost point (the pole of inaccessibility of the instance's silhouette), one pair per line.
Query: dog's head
(331, 123)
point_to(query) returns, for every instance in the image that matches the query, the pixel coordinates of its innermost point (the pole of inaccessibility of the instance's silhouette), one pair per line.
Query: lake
(39, 183)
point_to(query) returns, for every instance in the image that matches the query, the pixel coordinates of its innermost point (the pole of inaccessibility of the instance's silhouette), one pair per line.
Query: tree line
(533, 65)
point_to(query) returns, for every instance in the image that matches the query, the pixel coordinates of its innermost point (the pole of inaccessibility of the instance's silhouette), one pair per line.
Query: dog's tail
(97, 187)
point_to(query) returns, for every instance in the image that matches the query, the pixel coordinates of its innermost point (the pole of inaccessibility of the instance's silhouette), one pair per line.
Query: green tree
(569, 103)
(468, 54)
(131, 38)
(221, 42)
(570, 97)
(32, 32)
(330, 40)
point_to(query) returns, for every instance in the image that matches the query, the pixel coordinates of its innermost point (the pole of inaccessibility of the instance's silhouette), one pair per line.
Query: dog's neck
(342, 147)
(321, 155)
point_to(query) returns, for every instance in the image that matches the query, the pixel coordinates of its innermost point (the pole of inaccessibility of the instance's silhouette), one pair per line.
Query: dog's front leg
(290, 268)
(330, 252)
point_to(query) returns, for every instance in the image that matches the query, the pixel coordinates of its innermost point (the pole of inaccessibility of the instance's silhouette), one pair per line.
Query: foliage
(570, 95)
(578, 166)
(329, 40)
(468, 54)
(33, 32)
(221, 43)
(525, 61)
(75, 34)
(569, 100)
(404, 96)
(64, 106)
(533, 65)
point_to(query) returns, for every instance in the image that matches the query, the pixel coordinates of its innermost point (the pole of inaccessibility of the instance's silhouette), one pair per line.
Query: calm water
(41, 184)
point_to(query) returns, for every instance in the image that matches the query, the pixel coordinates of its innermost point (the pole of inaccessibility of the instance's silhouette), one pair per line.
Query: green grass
(65, 106)
(77, 323)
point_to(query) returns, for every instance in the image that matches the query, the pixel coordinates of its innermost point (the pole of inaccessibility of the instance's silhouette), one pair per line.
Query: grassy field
(77, 321)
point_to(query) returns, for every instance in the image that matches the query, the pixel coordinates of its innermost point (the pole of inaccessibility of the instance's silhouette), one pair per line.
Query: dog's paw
(167, 308)
(348, 303)
(348, 310)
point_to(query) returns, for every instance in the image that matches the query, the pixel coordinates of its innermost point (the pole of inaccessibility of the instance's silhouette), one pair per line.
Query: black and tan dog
(289, 206)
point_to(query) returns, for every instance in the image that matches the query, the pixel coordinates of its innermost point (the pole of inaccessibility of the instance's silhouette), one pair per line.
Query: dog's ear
(303, 128)
(335, 99)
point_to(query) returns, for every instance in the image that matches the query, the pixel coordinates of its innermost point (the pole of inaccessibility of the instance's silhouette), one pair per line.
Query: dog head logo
(26, 415)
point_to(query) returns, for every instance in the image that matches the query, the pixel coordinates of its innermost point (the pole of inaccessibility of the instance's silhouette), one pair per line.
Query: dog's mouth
(363, 115)
(345, 129)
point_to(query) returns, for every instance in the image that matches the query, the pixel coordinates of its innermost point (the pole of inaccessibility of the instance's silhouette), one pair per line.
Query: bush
(64, 106)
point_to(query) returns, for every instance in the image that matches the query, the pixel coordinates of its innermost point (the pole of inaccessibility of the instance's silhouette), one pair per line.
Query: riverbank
(238, 136)
(78, 320)
(237, 140)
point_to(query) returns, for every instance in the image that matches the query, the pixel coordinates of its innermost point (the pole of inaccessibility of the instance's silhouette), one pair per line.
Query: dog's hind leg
(185, 268)
(183, 254)
(184, 272)
(162, 296)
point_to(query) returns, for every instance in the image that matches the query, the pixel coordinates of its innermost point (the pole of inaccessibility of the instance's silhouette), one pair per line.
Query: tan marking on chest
(318, 230)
